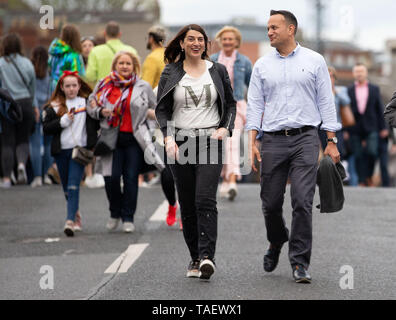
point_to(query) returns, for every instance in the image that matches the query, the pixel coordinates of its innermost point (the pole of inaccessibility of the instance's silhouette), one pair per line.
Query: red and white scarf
(115, 89)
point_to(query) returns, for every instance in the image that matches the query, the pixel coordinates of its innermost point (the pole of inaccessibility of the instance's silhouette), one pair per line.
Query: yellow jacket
(153, 66)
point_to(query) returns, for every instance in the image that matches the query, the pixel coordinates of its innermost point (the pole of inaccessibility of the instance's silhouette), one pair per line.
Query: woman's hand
(220, 134)
(171, 148)
(93, 103)
(151, 114)
(70, 115)
(106, 113)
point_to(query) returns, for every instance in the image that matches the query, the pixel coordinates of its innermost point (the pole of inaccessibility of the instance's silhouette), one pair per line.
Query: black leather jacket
(171, 76)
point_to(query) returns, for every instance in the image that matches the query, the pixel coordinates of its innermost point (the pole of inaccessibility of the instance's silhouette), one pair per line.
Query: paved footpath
(353, 248)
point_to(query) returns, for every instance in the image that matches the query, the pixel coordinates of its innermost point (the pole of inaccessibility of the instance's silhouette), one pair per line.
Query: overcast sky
(366, 23)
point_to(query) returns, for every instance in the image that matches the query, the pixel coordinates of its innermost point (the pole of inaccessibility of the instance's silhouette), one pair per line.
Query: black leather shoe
(271, 258)
(301, 275)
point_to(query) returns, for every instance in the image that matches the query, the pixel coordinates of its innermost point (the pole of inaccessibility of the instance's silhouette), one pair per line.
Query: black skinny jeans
(15, 138)
(197, 176)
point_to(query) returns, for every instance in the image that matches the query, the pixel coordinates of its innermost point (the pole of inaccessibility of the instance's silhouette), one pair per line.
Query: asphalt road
(353, 257)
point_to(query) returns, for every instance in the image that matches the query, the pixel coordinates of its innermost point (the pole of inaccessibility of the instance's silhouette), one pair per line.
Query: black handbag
(82, 155)
(107, 141)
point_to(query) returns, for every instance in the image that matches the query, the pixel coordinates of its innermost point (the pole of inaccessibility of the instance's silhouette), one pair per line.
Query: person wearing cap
(154, 63)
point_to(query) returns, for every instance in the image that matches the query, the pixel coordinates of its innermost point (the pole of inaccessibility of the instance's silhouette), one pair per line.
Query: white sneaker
(13, 179)
(47, 179)
(89, 182)
(22, 177)
(144, 184)
(99, 180)
(155, 180)
(224, 190)
(232, 191)
(112, 224)
(69, 228)
(37, 182)
(6, 184)
(128, 227)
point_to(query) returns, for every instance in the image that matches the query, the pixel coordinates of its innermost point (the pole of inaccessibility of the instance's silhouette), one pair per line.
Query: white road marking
(160, 213)
(127, 259)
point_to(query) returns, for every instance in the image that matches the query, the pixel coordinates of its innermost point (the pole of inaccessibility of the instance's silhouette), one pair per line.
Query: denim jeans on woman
(41, 161)
(128, 160)
(197, 176)
(71, 174)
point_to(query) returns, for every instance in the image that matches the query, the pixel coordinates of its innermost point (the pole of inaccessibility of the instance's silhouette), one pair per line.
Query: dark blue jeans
(365, 156)
(128, 160)
(40, 163)
(71, 174)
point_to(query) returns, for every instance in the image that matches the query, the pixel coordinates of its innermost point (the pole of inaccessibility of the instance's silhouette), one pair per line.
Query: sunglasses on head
(88, 38)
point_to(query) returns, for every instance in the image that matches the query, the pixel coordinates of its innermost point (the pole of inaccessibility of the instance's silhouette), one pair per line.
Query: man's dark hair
(360, 64)
(112, 29)
(289, 17)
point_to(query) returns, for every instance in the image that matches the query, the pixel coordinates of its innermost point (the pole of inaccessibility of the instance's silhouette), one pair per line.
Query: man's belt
(290, 132)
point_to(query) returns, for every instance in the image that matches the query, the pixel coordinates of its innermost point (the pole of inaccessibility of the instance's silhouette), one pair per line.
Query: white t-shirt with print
(74, 133)
(195, 104)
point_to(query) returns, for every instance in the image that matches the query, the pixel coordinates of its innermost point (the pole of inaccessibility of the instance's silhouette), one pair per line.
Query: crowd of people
(180, 116)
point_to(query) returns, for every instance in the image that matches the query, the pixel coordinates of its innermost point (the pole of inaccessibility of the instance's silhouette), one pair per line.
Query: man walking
(289, 95)
(154, 63)
(369, 135)
(101, 57)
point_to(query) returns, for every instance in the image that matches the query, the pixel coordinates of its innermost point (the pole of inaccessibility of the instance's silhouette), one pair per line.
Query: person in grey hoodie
(18, 78)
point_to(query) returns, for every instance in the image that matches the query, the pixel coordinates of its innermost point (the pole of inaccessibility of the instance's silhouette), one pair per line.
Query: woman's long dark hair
(71, 35)
(11, 43)
(173, 51)
(40, 61)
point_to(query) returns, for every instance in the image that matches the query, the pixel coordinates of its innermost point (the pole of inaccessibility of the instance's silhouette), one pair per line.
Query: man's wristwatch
(334, 140)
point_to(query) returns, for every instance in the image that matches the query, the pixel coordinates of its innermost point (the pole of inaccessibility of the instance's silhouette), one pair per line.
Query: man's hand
(384, 133)
(254, 152)
(332, 151)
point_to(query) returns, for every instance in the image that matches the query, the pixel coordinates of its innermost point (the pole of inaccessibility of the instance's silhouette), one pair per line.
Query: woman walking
(18, 78)
(196, 95)
(65, 118)
(239, 69)
(65, 54)
(123, 102)
(87, 44)
(41, 163)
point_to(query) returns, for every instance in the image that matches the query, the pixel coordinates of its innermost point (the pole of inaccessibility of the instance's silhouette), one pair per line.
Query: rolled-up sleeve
(325, 99)
(256, 102)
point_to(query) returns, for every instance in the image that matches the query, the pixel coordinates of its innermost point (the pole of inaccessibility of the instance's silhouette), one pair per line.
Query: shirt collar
(294, 52)
(365, 84)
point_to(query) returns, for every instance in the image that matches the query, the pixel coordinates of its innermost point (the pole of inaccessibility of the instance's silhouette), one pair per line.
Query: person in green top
(65, 54)
(101, 57)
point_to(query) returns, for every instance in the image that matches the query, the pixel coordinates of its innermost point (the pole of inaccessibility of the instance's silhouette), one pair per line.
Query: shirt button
(202, 234)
